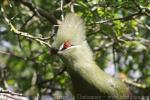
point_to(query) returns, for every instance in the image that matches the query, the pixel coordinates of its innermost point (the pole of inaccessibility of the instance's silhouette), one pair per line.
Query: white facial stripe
(74, 46)
(61, 47)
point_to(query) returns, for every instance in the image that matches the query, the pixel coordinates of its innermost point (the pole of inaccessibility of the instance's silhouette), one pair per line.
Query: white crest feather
(72, 29)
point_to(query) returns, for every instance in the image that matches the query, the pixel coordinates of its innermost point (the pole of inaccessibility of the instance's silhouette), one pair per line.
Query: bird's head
(70, 36)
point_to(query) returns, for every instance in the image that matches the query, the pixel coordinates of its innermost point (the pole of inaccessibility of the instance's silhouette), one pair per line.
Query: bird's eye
(66, 45)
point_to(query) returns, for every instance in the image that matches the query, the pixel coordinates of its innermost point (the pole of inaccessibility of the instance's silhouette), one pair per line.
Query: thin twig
(114, 59)
(11, 54)
(126, 18)
(72, 6)
(61, 8)
(129, 38)
(9, 95)
(39, 11)
(9, 92)
(130, 82)
(65, 6)
(24, 34)
(27, 21)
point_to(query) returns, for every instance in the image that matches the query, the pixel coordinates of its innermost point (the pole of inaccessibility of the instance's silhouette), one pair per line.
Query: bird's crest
(72, 29)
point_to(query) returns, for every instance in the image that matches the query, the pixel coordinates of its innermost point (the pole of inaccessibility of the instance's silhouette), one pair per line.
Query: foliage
(117, 31)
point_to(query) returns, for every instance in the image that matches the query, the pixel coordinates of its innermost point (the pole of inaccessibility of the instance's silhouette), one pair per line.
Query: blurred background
(118, 32)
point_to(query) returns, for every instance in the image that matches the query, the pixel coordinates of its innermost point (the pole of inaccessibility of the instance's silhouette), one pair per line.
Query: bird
(89, 81)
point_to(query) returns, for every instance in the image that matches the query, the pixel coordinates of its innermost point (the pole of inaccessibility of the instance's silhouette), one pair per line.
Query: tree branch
(8, 95)
(24, 34)
(141, 40)
(141, 11)
(126, 18)
(39, 11)
(11, 54)
(130, 82)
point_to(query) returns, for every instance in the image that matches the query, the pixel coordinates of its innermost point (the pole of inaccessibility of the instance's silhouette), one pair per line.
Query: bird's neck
(82, 56)
(89, 79)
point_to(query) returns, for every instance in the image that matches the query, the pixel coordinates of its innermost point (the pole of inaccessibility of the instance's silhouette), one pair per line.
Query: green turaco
(88, 80)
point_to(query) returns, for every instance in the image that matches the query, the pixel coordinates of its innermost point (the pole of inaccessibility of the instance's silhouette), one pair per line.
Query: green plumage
(87, 78)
